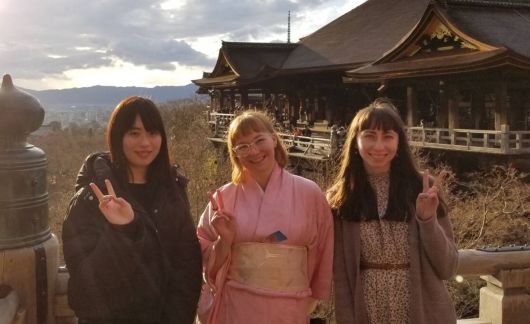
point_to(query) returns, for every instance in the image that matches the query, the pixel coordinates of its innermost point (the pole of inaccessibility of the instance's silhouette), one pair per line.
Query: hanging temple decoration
(439, 40)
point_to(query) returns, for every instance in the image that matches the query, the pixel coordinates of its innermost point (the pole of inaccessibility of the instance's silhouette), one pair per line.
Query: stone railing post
(505, 299)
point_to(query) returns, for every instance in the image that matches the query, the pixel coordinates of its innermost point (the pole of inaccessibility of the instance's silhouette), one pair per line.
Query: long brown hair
(122, 120)
(242, 125)
(351, 196)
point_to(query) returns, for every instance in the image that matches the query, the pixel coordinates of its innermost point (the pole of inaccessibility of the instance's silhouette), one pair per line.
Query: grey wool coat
(433, 258)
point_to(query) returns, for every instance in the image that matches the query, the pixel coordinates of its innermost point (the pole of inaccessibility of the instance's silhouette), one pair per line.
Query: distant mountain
(110, 96)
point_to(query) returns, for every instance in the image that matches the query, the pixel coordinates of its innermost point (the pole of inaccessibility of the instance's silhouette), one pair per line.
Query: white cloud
(64, 43)
(172, 4)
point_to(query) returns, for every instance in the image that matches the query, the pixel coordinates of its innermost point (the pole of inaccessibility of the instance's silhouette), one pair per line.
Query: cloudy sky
(53, 44)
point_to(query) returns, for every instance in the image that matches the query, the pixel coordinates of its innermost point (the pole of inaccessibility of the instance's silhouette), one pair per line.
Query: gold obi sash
(269, 266)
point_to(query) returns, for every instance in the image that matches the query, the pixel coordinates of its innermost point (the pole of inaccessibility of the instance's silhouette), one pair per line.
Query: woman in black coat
(128, 237)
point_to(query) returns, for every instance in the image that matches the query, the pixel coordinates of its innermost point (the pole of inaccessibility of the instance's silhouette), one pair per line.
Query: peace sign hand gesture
(222, 221)
(427, 201)
(116, 210)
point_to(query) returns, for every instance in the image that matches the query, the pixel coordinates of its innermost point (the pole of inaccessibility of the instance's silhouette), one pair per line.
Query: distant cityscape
(81, 115)
(92, 106)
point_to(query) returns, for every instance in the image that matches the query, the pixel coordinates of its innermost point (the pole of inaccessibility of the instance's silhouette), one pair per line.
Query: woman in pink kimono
(266, 237)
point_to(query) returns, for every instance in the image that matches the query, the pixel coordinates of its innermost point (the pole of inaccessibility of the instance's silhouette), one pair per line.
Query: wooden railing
(310, 147)
(316, 148)
(501, 141)
(473, 140)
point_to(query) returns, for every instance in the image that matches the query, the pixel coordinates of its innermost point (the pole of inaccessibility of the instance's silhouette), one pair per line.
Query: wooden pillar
(294, 104)
(232, 101)
(328, 112)
(289, 106)
(312, 109)
(213, 100)
(221, 100)
(265, 100)
(477, 108)
(412, 106)
(452, 107)
(332, 109)
(501, 104)
(275, 104)
(244, 99)
(516, 116)
(526, 107)
(443, 110)
(303, 108)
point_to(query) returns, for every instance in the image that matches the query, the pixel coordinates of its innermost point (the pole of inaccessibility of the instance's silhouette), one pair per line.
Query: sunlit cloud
(126, 74)
(53, 43)
(172, 4)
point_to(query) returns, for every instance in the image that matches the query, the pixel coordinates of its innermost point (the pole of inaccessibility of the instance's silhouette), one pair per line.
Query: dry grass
(487, 208)
(207, 167)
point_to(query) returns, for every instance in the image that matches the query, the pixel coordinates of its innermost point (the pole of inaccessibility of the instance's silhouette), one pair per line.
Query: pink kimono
(290, 204)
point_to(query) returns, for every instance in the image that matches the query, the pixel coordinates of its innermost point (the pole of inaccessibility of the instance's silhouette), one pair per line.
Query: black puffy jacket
(148, 271)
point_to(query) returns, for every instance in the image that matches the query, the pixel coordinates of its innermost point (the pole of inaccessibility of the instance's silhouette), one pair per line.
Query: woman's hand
(116, 210)
(222, 221)
(224, 225)
(427, 201)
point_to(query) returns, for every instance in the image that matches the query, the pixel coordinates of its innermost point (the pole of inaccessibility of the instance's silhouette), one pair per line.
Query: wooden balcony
(324, 145)
(318, 147)
(471, 140)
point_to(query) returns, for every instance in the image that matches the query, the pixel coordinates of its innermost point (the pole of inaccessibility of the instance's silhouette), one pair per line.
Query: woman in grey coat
(394, 243)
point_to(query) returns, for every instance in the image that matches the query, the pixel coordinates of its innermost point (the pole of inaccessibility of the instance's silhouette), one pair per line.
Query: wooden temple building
(458, 71)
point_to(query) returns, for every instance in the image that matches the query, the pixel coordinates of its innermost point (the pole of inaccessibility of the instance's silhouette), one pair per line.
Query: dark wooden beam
(412, 106)
(501, 104)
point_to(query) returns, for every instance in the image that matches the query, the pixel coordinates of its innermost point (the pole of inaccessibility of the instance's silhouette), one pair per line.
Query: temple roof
(247, 62)
(455, 37)
(360, 36)
(441, 65)
(384, 32)
(497, 23)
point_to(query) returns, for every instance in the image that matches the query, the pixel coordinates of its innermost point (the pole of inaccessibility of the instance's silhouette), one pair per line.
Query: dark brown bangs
(150, 118)
(380, 118)
(138, 106)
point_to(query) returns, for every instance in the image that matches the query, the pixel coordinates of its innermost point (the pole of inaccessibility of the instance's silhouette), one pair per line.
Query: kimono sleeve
(207, 238)
(322, 275)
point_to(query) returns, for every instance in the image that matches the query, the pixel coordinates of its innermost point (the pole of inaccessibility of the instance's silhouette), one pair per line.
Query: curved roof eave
(465, 63)
(413, 35)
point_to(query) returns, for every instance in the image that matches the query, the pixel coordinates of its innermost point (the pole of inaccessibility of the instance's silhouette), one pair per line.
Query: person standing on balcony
(394, 242)
(306, 131)
(128, 238)
(266, 237)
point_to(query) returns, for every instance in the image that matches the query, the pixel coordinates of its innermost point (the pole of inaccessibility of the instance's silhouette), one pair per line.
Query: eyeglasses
(243, 150)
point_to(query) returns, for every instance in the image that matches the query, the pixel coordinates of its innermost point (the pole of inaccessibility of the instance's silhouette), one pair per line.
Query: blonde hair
(242, 125)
